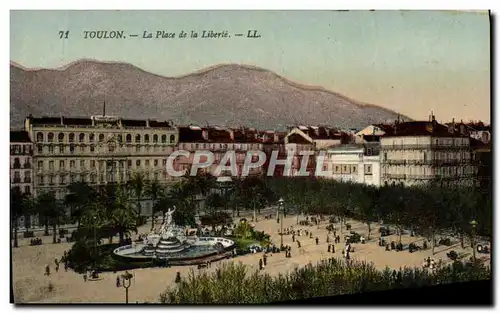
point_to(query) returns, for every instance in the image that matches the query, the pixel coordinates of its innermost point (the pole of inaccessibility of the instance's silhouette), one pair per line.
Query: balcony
(427, 162)
(16, 180)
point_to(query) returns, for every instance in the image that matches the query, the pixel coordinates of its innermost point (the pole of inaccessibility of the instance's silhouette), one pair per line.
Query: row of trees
(232, 283)
(425, 209)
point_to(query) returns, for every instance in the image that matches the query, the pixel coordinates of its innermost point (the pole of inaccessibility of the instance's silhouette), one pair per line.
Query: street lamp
(281, 208)
(473, 223)
(224, 183)
(126, 281)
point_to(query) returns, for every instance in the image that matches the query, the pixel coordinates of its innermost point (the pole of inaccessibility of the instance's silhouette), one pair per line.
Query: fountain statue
(166, 227)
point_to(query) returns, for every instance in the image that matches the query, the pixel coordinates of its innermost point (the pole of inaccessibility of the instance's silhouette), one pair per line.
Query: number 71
(63, 34)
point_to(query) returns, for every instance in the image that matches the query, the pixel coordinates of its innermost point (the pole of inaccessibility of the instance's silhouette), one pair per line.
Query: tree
(137, 186)
(47, 207)
(154, 190)
(52, 212)
(16, 210)
(122, 218)
(80, 194)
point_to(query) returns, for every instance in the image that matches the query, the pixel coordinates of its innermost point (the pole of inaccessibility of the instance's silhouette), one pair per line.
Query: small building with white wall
(350, 163)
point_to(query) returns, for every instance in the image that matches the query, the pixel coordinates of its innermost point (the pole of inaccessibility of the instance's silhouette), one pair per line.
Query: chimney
(276, 137)
(62, 120)
(231, 133)
(204, 133)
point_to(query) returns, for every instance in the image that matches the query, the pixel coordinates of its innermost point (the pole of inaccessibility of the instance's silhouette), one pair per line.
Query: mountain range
(228, 94)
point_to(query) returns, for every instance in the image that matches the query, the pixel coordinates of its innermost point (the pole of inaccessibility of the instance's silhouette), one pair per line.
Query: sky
(413, 62)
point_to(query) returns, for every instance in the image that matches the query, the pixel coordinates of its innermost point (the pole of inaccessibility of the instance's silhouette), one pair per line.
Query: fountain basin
(194, 249)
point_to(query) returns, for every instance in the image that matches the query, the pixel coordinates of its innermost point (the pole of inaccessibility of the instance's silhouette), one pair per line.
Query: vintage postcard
(250, 156)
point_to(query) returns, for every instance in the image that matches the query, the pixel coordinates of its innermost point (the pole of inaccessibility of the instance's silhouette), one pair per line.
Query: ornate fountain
(171, 243)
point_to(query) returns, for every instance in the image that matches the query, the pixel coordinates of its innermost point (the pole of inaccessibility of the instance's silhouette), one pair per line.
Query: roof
(479, 145)
(423, 128)
(19, 136)
(386, 128)
(348, 147)
(89, 121)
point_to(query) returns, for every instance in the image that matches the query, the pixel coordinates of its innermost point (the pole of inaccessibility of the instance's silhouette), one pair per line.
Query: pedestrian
(85, 277)
(47, 270)
(317, 240)
(118, 282)
(333, 248)
(57, 268)
(293, 238)
(260, 264)
(298, 244)
(329, 248)
(65, 267)
(265, 259)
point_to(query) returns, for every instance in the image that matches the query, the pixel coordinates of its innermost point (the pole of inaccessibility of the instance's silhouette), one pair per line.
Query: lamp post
(224, 183)
(126, 281)
(281, 208)
(473, 223)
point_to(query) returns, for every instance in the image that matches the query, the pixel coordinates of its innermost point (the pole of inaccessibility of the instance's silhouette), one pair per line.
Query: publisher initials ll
(253, 34)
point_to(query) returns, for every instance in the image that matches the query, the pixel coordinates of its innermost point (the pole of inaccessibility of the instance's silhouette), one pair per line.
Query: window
(354, 169)
(72, 164)
(92, 163)
(27, 177)
(39, 136)
(129, 163)
(147, 163)
(137, 148)
(101, 137)
(82, 164)
(72, 148)
(120, 138)
(51, 180)
(82, 148)
(51, 165)
(155, 138)
(163, 138)
(368, 169)
(164, 162)
(156, 176)
(91, 138)
(60, 137)
(62, 179)
(71, 137)
(138, 163)
(385, 156)
(27, 189)
(137, 138)
(81, 137)
(51, 149)
(17, 164)
(172, 138)
(92, 148)
(155, 162)
(40, 148)
(129, 138)
(61, 164)
(92, 178)
(146, 138)
(51, 137)
(40, 165)
(72, 178)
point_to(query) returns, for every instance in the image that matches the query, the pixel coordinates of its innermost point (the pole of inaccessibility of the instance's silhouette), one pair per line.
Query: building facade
(351, 163)
(420, 152)
(218, 141)
(21, 162)
(97, 150)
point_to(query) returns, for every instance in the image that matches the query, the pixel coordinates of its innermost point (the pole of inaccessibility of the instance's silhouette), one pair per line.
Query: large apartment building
(218, 141)
(97, 150)
(422, 151)
(21, 160)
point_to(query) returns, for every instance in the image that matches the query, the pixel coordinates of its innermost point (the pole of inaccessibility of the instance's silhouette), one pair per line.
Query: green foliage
(232, 283)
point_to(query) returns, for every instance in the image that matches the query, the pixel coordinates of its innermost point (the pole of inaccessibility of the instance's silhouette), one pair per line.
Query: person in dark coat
(260, 264)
